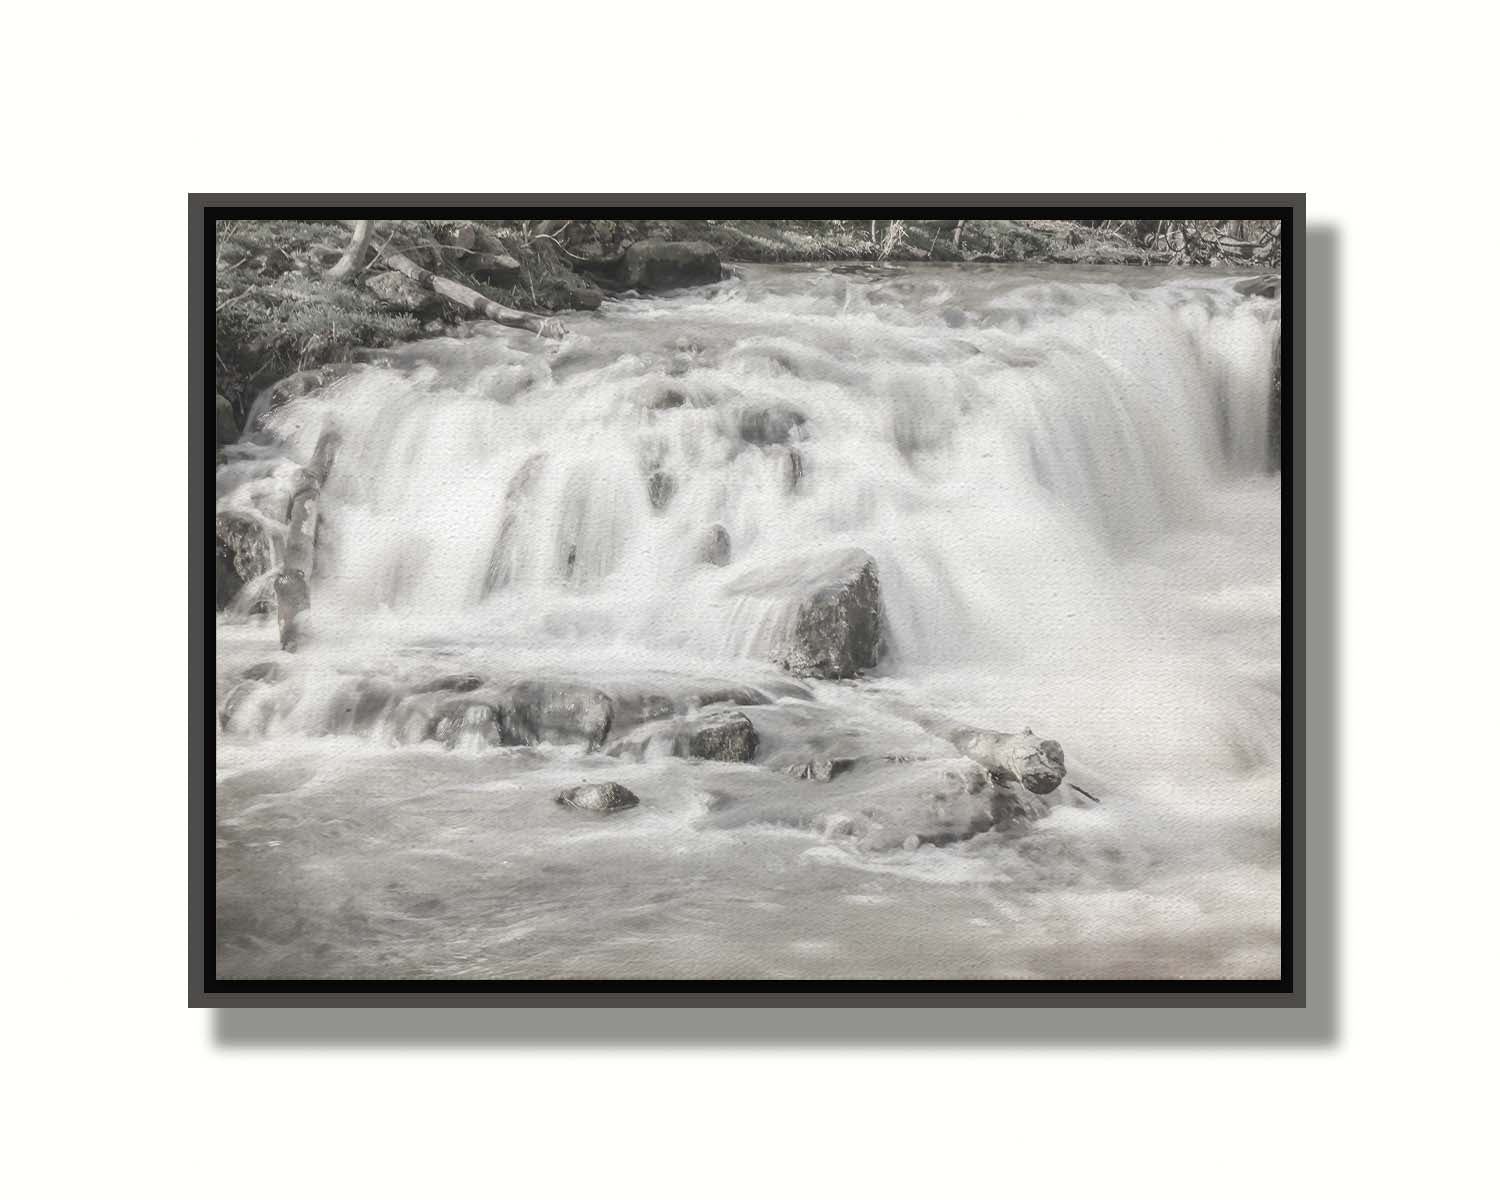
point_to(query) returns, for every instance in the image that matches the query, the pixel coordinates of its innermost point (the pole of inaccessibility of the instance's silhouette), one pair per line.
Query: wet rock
(714, 548)
(1268, 286)
(729, 693)
(566, 289)
(450, 683)
(245, 548)
(638, 708)
(598, 798)
(654, 265)
(838, 631)
(771, 425)
(404, 294)
(668, 398)
(293, 601)
(723, 737)
(236, 712)
(226, 428)
(467, 725)
(563, 714)
(660, 487)
(820, 770)
(294, 387)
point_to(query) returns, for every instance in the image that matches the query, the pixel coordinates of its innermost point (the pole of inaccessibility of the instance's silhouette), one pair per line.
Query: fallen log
(293, 594)
(1024, 758)
(468, 298)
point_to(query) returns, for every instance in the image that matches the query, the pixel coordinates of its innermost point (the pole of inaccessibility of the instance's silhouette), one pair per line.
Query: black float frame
(206, 991)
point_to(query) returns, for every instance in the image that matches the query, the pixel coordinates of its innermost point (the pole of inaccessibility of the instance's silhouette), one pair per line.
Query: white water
(1061, 477)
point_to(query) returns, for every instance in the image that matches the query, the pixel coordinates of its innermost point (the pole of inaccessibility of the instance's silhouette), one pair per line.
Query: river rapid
(1061, 473)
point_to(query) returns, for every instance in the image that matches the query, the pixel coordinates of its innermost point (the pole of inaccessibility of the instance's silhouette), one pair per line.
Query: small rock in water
(465, 725)
(660, 487)
(598, 798)
(714, 549)
(772, 425)
(723, 737)
(819, 770)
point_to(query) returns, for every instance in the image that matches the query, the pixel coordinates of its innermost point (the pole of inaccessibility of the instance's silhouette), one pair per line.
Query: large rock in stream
(654, 265)
(560, 713)
(837, 629)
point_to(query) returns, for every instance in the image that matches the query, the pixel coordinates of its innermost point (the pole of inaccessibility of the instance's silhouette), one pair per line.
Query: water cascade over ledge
(1058, 479)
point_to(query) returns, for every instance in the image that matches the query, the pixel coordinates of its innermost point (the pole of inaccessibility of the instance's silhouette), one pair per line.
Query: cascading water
(1060, 476)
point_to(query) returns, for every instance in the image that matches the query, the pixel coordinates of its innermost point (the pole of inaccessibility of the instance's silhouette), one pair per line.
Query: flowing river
(1061, 474)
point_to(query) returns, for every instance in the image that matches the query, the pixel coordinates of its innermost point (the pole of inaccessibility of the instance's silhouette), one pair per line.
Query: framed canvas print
(795, 600)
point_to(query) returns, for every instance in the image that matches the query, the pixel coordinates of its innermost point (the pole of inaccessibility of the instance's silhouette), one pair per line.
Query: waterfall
(1060, 475)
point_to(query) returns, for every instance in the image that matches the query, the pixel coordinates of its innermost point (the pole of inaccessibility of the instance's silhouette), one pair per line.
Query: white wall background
(1387, 123)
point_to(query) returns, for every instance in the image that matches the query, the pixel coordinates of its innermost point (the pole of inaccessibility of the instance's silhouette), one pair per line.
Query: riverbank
(282, 305)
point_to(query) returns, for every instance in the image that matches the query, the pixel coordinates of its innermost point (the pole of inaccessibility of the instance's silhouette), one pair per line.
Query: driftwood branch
(467, 297)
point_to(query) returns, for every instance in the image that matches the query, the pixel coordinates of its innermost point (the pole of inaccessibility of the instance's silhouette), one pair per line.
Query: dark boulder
(723, 737)
(654, 266)
(566, 289)
(598, 798)
(245, 548)
(771, 425)
(838, 631)
(226, 428)
(564, 714)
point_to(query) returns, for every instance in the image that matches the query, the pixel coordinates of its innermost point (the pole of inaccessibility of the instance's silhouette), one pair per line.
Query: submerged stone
(770, 425)
(560, 713)
(598, 798)
(714, 548)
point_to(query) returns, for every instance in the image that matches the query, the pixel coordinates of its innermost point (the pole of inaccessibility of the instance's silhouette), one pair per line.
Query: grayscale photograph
(742, 598)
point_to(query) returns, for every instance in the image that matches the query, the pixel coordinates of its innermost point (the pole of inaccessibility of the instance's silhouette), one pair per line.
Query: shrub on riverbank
(277, 311)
